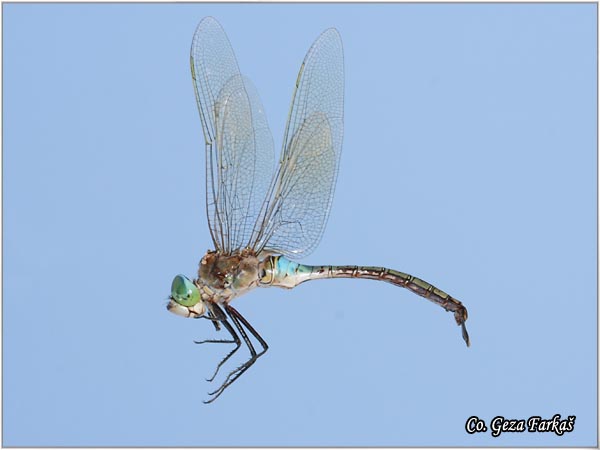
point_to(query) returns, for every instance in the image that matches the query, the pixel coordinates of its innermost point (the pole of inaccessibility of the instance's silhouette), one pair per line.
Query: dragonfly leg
(235, 340)
(214, 321)
(219, 315)
(240, 322)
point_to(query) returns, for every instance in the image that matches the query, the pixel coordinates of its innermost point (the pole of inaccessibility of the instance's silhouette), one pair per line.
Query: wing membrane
(239, 144)
(300, 197)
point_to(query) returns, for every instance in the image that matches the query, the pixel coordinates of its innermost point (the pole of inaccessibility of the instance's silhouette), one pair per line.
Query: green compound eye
(184, 292)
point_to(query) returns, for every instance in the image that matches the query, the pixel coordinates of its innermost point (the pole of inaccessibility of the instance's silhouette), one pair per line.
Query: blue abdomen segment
(285, 273)
(285, 267)
(288, 268)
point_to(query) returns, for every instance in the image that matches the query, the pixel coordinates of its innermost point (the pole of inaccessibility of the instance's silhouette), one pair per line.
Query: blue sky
(469, 160)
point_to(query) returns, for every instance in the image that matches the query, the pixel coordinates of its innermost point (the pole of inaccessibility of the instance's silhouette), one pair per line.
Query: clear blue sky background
(469, 160)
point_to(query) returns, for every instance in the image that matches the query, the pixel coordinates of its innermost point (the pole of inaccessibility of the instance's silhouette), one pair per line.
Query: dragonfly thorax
(229, 275)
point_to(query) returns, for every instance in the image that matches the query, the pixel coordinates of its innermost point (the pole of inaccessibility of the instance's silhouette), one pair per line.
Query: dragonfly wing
(239, 144)
(244, 163)
(300, 198)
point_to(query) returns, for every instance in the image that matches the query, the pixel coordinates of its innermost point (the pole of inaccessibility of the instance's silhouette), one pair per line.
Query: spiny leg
(239, 370)
(213, 319)
(216, 315)
(253, 354)
(250, 328)
(239, 320)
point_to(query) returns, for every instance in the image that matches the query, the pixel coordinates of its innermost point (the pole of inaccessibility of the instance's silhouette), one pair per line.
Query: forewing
(239, 144)
(301, 196)
(242, 165)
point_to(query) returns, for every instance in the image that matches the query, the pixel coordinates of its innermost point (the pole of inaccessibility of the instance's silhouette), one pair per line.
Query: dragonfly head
(185, 298)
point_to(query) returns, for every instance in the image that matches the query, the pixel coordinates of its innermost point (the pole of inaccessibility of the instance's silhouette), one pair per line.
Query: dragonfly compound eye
(184, 292)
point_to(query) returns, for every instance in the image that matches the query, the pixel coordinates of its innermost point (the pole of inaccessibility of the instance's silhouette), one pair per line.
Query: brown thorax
(229, 276)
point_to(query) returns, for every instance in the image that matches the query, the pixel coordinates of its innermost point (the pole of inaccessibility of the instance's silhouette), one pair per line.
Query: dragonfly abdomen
(280, 271)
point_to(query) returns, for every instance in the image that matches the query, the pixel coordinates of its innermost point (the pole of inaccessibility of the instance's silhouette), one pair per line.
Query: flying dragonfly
(264, 216)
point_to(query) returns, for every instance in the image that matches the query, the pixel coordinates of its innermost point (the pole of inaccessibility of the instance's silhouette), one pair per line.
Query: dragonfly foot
(210, 400)
(215, 341)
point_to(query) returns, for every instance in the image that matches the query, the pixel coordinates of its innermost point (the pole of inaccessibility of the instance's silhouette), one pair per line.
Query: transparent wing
(239, 144)
(301, 194)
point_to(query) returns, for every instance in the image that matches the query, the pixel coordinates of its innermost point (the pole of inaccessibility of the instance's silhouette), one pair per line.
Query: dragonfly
(264, 216)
